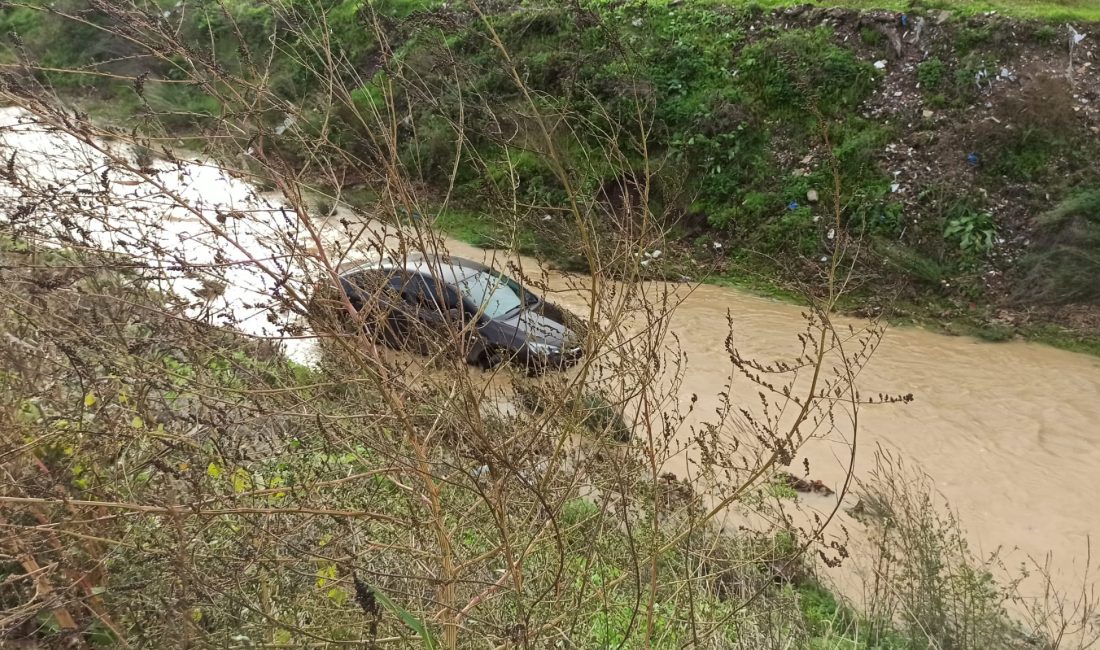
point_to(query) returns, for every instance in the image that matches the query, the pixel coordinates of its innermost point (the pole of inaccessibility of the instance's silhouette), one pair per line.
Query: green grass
(1064, 339)
(470, 227)
(756, 283)
(931, 316)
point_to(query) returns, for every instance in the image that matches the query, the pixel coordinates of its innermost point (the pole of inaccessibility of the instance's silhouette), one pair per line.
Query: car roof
(448, 268)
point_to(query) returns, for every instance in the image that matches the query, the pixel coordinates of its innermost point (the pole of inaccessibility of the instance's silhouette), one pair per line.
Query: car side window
(451, 299)
(361, 287)
(528, 297)
(444, 295)
(419, 291)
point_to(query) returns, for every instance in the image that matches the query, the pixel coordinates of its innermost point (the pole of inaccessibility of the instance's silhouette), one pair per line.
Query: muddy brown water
(1009, 433)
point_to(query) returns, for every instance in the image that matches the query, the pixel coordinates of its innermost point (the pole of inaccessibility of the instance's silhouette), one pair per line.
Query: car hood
(535, 327)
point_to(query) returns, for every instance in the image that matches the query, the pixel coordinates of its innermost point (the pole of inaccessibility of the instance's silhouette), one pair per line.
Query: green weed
(969, 38)
(1063, 264)
(931, 73)
(973, 232)
(1046, 34)
(912, 264)
(799, 69)
(871, 36)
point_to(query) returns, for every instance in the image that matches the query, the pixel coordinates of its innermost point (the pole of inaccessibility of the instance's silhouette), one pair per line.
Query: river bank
(964, 142)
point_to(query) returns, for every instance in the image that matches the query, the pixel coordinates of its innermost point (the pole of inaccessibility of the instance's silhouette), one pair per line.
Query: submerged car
(413, 302)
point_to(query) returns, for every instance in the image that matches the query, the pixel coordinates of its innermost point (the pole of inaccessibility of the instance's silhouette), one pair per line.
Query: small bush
(800, 69)
(1024, 158)
(601, 417)
(874, 214)
(759, 204)
(1063, 264)
(871, 36)
(370, 98)
(21, 20)
(967, 72)
(1046, 34)
(969, 38)
(532, 175)
(936, 587)
(743, 218)
(794, 233)
(973, 232)
(591, 411)
(577, 511)
(430, 152)
(919, 268)
(931, 73)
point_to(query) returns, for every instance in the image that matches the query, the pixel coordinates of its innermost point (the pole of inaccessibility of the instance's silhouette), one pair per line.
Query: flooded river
(1009, 432)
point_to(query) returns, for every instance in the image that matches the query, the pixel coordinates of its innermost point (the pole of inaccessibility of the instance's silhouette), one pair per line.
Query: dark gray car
(426, 299)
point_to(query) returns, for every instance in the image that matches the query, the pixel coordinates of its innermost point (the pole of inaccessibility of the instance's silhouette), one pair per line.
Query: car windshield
(494, 295)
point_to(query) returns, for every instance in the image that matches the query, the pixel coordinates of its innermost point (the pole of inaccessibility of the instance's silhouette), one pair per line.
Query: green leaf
(326, 573)
(242, 480)
(408, 619)
(137, 422)
(89, 400)
(276, 481)
(337, 595)
(213, 470)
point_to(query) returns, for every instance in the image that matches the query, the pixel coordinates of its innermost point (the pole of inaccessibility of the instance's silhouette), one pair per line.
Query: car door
(369, 292)
(461, 324)
(420, 315)
(422, 295)
(440, 315)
